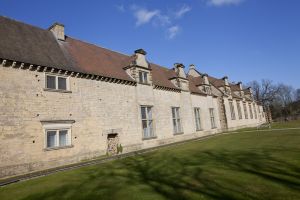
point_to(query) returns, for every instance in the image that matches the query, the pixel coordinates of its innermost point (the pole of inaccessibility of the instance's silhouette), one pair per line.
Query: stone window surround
(57, 125)
(238, 103)
(212, 118)
(232, 110)
(144, 81)
(198, 117)
(177, 118)
(68, 90)
(153, 124)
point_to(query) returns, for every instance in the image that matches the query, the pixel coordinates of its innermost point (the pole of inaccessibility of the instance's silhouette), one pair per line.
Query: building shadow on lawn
(201, 175)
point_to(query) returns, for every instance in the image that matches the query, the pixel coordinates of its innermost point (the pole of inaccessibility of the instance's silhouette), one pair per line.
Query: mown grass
(256, 165)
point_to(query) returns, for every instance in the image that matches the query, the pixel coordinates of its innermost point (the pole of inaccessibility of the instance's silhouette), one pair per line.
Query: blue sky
(243, 39)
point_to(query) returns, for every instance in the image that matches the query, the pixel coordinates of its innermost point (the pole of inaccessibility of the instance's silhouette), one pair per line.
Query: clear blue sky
(243, 39)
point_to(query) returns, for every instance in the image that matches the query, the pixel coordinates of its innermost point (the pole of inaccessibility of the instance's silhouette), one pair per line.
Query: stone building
(63, 100)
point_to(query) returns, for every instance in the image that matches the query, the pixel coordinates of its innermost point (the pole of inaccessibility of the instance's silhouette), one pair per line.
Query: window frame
(251, 110)
(148, 121)
(57, 138)
(57, 126)
(245, 110)
(238, 103)
(232, 110)
(143, 77)
(212, 118)
(177, 119)
(198, 124)
(57, 76)
(255, 110)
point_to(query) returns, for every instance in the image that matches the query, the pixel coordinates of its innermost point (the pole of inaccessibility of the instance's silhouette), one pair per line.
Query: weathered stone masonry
(99, 103)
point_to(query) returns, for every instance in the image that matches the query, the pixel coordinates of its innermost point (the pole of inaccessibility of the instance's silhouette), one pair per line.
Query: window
(255, 111)
(207, 90)
(212, 118)
(147, 122)
(232, 110)
(143, 77)
(56, 82)
(197, 118)
(239, 110)
(57, 138)
(245, 111)
(251, 111)
(176, 120)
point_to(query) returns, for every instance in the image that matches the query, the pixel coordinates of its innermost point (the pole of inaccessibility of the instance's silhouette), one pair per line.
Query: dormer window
(227, 91)
(143, 77)
(207, 90)
(54, 82)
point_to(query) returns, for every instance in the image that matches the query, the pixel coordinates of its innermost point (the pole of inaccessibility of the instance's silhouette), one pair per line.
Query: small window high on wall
(57, 82)
(143, 77)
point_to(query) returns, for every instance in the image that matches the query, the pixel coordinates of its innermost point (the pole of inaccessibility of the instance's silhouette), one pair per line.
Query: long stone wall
(97, 108)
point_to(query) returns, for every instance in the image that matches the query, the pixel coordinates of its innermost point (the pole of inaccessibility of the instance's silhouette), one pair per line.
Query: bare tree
(285, 94)
(297, 95)
(264, 91)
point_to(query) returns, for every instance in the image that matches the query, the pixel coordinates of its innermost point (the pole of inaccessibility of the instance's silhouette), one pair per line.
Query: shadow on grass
(201, 175)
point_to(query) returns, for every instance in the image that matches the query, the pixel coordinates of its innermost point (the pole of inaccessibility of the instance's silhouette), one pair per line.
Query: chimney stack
(240, 85)
(225, 78)
(205, 78)
(141, 58)
(179, 69)
(193, 72)
(58, 30)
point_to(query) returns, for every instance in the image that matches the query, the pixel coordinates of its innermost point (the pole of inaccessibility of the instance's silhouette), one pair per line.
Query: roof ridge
(97, 45)
(33, 26)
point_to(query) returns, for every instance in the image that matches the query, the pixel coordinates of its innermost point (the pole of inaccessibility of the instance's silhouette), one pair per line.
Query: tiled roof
(193, 82)
(235, 87)
(25, 43)
(91, 59)
(216, 82)
(29, 44)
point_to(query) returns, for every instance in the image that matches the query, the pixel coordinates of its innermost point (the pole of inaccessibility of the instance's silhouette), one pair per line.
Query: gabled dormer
(205, 86)
(140, 68)
(227, 89)
(193, 72)
(249, 93)
(180, 80)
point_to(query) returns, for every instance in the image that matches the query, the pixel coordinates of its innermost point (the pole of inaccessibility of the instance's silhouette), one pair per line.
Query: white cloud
(144, 16)
(173, 31)
(224, 2)
(184, 9)
(121, 8)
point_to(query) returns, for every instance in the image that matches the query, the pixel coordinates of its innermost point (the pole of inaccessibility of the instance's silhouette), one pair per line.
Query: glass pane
(149, 113)
(173, 113)
(177, 113)
(179, 126)
(145, 128)
(141, 77)
(143, 111)
(62, 83)
(63, 137)
(51, 138)
(174, 126)
(51, 82)
(150, 123)
(145, 77)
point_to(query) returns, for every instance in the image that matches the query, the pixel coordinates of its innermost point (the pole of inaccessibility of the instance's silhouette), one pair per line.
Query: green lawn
(255, 165)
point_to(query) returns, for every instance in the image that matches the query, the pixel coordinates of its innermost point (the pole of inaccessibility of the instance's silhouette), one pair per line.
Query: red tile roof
(91, 59)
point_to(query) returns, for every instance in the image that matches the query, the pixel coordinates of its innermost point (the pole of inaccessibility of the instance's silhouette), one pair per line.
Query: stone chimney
(58, 30)
(240, 85)
(193, 72)
(179, 69)
(226, 83)
(205, 78)
(141, 58)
